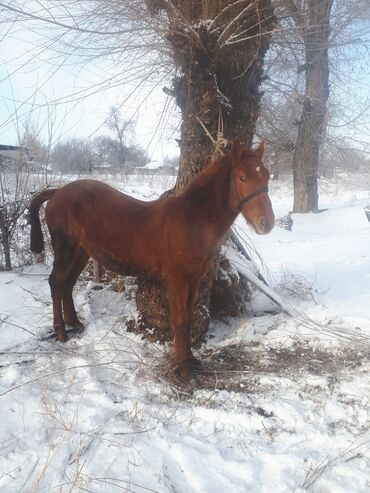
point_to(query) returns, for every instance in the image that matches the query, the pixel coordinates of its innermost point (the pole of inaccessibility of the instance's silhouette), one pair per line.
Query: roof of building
(9, 148)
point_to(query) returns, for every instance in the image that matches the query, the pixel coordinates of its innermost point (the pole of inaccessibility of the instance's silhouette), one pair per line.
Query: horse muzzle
(264, 224)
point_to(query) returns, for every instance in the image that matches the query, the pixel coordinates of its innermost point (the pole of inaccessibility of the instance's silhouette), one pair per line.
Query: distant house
(103, 167)
(156, 168)
(13, 154)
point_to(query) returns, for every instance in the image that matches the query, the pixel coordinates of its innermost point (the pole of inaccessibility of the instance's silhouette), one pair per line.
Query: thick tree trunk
(312, 125)
(217, 82)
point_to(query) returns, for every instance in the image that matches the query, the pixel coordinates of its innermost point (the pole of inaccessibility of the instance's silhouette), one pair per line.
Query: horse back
(123, 233)
(161, 237)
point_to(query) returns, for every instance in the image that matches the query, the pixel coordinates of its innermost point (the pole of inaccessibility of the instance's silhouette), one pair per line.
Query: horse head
(249, 187)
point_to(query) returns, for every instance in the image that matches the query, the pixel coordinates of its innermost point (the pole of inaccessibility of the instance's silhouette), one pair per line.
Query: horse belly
(125, 260)
(119, 266)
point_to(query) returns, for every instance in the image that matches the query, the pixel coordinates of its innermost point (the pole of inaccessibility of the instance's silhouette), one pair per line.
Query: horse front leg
(180, 322)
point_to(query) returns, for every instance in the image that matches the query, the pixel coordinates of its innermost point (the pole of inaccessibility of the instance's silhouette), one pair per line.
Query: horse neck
(209, 193)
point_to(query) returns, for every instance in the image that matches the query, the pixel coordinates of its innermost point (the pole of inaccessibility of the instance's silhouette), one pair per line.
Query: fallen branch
(336, 332)
(262, 286)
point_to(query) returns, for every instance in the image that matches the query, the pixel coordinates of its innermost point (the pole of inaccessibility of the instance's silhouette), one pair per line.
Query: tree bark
(6, 249)
(5, 240)
(312, 125)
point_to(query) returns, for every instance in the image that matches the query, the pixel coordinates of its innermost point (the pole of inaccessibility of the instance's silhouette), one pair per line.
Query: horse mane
(211, 170)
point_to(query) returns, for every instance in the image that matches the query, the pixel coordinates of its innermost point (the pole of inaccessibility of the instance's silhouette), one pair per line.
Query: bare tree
(38, 153)
(23, 170)
(102, 149)
(278, 127)
(314, 22)
(120, 129)
(107, 154)
(17, 181)
(72, 156)
(12, 207)
(297, 116)
(137, 156)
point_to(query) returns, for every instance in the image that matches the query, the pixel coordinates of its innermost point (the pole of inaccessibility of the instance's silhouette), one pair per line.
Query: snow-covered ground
(282, 406)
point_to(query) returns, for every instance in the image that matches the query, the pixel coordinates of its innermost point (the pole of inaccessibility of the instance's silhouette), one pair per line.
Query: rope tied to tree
(221, 142)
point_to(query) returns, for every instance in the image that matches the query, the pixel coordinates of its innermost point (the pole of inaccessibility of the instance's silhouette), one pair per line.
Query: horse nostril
(262, 221)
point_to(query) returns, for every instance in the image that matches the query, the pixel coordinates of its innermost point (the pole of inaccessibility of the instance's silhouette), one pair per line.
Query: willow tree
(218, 48)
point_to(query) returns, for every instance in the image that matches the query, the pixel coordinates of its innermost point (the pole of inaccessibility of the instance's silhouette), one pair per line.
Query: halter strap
(250, 196)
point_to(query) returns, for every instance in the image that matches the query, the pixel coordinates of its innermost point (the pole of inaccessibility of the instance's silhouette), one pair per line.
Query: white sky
(29, 85)
(31, 80)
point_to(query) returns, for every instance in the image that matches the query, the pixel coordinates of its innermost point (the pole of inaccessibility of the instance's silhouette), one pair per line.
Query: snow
(153, 165)
(288, 410)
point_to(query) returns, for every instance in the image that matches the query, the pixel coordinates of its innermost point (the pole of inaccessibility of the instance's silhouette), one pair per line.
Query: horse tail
(37, 239)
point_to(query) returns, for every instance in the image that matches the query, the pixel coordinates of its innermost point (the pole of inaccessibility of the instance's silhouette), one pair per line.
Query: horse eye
(242, 177)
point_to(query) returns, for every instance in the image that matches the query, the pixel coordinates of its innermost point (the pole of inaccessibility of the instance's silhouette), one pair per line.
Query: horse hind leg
(70, 315)
(194, 363)
(64, 258)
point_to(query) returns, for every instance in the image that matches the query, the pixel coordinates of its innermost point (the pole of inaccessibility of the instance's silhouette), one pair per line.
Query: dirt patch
(240, 369)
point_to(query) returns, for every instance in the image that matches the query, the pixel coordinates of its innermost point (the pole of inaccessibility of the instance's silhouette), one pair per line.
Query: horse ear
(236, 151)
(260, 149)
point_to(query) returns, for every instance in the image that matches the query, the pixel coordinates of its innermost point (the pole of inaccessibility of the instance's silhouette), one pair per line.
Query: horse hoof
(62, 337)
(194, 363)
(187, 369)
(75, 324)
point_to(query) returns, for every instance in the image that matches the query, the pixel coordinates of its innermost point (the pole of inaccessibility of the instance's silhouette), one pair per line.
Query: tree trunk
(217, 82)
(312, 125)
(5, 241)
(6, 249)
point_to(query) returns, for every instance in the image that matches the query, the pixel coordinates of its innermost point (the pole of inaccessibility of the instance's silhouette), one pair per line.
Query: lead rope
(221, 142)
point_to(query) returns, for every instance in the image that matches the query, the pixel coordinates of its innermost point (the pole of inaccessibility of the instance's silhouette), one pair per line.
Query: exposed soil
(240, 369)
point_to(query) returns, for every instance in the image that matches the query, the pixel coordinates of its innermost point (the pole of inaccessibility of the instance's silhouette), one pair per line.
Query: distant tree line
(100, 154)
(104, 152)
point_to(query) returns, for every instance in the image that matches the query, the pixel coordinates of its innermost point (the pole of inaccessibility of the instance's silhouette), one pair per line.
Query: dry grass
(355, 450)
(298, 286)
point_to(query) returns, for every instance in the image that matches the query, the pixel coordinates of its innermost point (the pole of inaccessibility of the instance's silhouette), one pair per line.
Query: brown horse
(174, 238)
